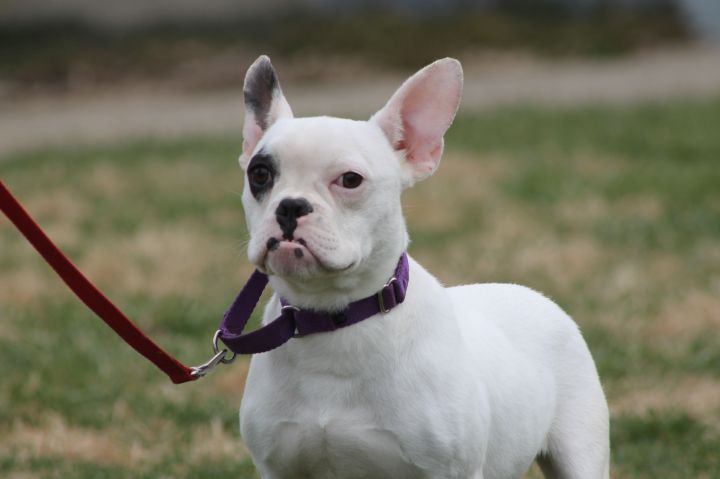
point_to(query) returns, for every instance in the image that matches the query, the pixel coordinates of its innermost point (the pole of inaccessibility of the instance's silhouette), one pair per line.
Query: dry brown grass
(60, 211)
(132, 446)
(693, 314)
(175, 259)
(213, 442)
(579, 256)
(156, 260)
(470, 183)
(474, 184)
(56, 438)
(698, 396)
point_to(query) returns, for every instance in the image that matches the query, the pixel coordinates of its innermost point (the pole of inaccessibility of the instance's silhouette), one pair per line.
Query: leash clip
(218, 358)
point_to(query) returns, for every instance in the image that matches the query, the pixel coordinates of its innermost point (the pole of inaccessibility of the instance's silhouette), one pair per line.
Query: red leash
(93, 297)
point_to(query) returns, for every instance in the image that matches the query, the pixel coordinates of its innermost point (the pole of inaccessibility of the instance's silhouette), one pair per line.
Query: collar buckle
(290, 310)
(381, 296)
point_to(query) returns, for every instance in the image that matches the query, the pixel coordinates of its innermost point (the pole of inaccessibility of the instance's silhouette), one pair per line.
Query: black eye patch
(261, 174)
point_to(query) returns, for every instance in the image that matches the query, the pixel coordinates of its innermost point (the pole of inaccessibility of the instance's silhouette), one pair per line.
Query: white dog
(472, 381)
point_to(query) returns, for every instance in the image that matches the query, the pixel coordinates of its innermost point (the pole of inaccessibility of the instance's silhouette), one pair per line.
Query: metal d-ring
(216, 349)
(218, 357)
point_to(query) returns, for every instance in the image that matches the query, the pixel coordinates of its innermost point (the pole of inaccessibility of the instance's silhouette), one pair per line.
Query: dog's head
(322, 194)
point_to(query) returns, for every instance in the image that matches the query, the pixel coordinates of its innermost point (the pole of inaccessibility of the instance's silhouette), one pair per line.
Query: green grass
(614, 212)
(670, 444)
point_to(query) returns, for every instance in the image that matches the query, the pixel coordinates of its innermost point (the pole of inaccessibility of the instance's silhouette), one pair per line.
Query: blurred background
(584, 163)
(176, 66)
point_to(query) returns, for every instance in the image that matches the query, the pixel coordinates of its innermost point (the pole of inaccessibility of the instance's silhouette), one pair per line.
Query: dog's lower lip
(299, 248)
(301, 245)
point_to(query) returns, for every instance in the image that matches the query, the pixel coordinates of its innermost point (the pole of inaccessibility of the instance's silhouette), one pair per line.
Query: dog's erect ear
(264, 104)
(418, 114)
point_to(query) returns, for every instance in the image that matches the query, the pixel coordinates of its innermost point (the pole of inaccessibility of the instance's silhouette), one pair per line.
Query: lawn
(612, 211)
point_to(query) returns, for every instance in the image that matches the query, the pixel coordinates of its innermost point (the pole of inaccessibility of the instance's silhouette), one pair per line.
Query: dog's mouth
(295, 257)
(295, 247)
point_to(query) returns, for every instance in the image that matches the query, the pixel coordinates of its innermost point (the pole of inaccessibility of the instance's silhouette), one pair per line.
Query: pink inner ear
(426, 113)
(417, 116)
(251, 136)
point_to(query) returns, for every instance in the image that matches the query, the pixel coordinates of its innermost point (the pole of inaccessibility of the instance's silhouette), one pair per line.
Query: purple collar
(296, 322)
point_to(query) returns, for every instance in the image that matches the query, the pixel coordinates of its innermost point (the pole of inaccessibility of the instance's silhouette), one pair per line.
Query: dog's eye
(260, 176)
(350, 180)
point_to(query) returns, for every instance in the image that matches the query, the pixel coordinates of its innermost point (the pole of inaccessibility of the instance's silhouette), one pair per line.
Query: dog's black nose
(287, 213)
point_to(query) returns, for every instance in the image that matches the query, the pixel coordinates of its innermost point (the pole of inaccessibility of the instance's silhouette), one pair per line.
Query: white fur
(466, 382)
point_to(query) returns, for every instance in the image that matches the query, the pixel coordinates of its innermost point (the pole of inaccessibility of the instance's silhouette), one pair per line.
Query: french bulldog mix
(474, 381)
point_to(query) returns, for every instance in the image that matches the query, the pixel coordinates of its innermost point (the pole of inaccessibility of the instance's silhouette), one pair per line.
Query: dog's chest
(371, 401)
(348, 444)
(326, 427)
